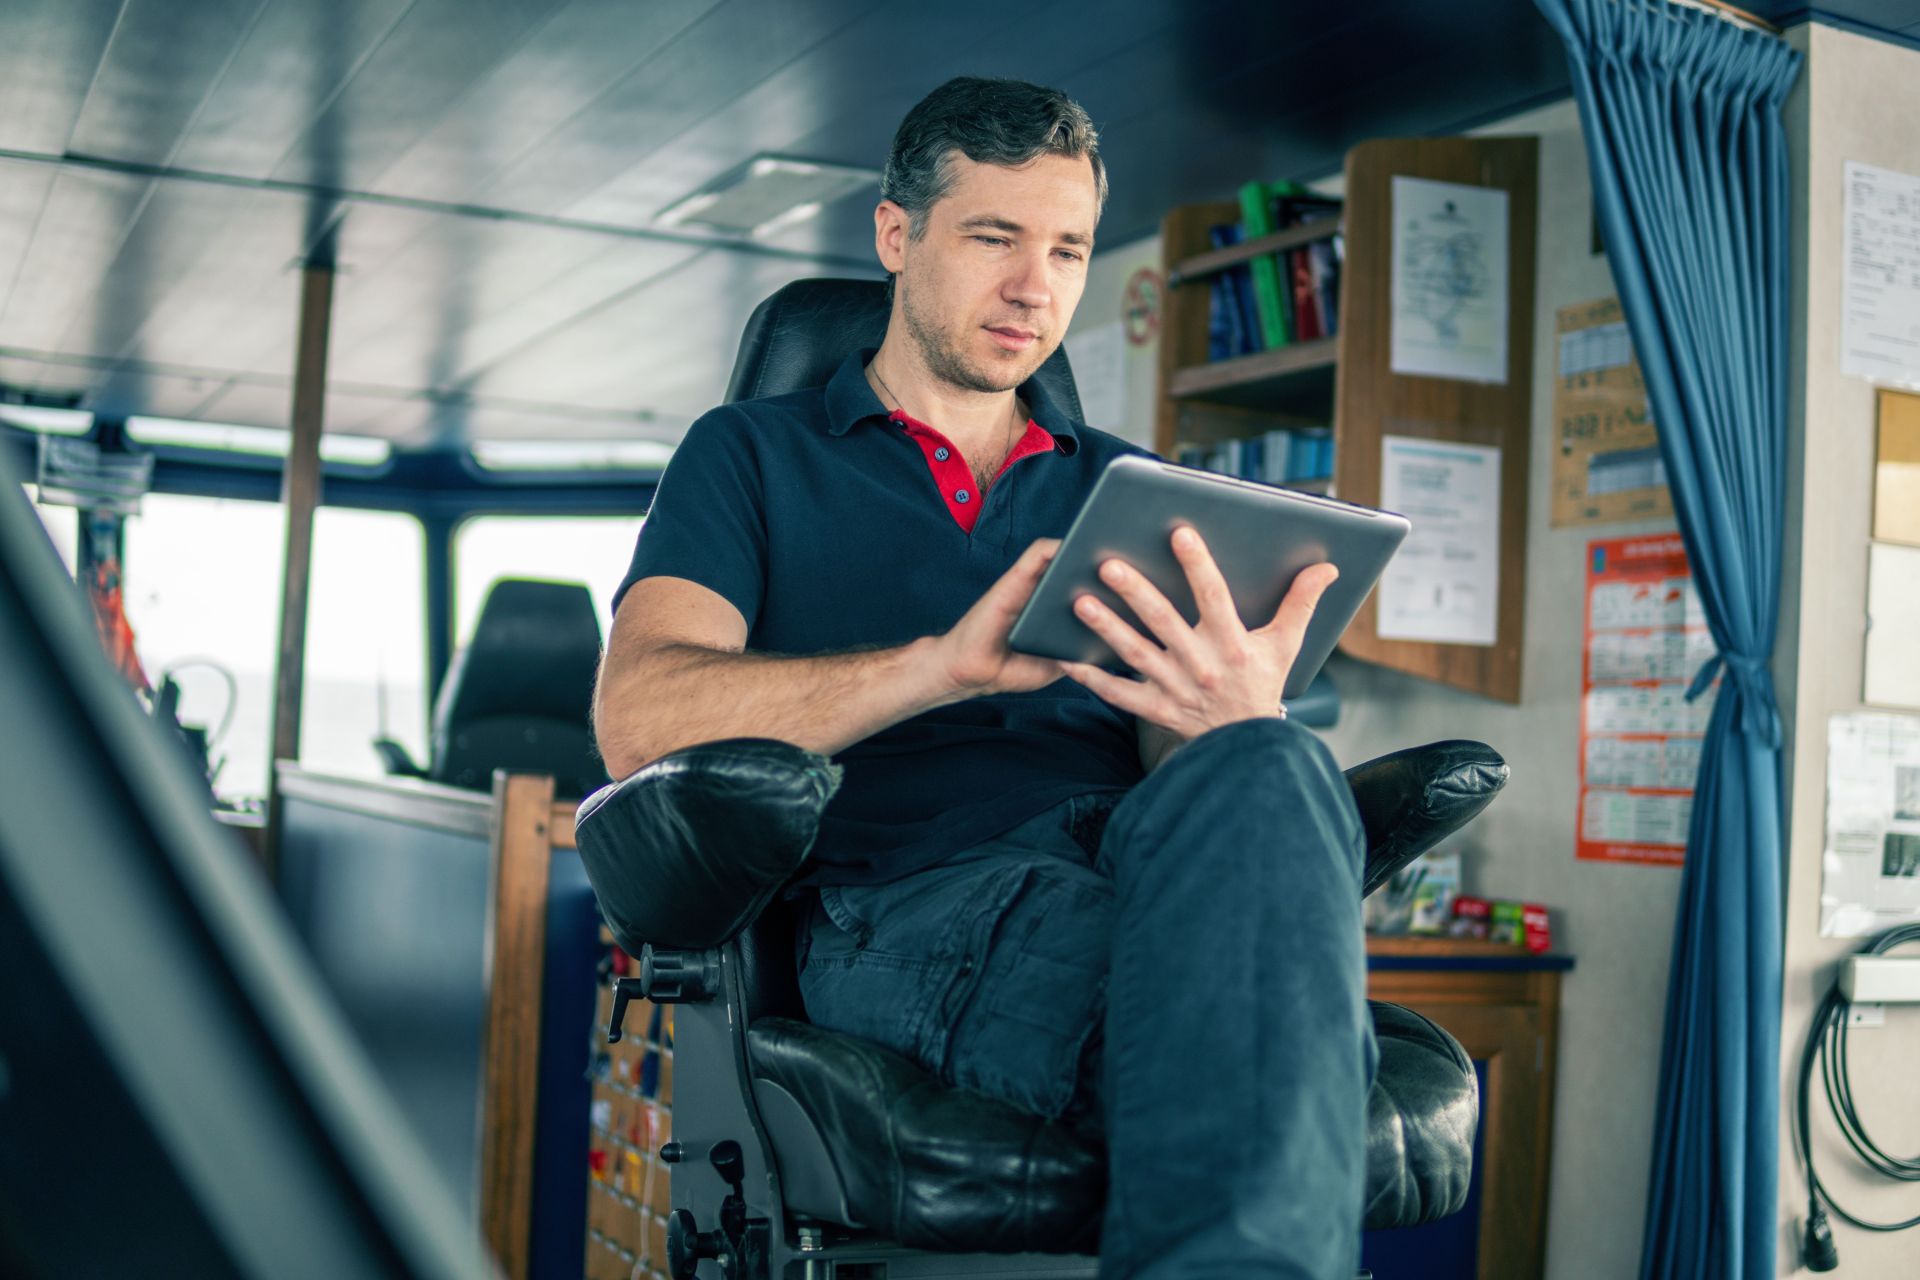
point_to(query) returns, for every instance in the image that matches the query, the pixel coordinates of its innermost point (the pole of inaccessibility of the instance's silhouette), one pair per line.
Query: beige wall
(1859, 99)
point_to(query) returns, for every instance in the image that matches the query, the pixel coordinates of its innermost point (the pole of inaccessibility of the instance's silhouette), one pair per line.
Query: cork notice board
(1606, 458)
(1896, 471)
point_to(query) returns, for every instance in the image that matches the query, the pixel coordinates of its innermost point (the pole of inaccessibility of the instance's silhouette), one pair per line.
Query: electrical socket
(1881, 979)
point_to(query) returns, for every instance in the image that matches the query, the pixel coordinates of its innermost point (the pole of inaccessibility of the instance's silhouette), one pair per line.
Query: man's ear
(890, 225)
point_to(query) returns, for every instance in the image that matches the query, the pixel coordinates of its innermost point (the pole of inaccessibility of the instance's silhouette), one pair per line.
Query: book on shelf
(1285, 456)
(1256, 220)
(1233, 327)
(1278, 298)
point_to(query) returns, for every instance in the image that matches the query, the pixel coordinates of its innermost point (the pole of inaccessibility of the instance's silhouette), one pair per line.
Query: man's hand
(1198, 677)
(974, 654)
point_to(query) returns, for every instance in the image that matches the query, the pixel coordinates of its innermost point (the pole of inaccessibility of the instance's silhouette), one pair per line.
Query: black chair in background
(802, 1152)
(519, 696)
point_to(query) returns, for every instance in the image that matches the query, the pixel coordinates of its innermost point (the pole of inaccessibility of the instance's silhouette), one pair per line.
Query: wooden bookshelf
(1291, 385)
(1346, 381)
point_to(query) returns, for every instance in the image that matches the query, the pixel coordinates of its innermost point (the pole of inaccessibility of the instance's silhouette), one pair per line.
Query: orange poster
(1639, 737)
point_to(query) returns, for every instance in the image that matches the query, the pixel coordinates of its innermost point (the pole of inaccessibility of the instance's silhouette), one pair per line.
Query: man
(1130, 903)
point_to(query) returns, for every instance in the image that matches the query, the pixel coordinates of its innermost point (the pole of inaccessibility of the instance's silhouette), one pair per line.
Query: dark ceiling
(485, 173)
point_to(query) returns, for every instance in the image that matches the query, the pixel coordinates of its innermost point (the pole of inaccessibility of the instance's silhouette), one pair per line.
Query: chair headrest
(533, 653)
(800, 335)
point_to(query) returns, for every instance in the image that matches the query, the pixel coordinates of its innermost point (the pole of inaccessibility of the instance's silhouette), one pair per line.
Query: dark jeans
(1180, 965)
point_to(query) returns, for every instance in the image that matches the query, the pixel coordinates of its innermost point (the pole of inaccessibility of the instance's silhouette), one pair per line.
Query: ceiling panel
(421, 69)
(725, 54)
(581, 53)
(204, 276)
(48, 52)
(162, 60)
(285, 70)
(76, 242)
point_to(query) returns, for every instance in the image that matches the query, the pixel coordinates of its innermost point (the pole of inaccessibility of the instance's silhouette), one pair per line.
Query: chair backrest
(519, 696)
(797, 339)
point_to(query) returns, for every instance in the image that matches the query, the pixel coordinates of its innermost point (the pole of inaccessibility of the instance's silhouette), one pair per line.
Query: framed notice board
(1440, 250)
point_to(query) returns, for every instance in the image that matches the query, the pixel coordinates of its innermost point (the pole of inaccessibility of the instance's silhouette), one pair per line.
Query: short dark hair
(989, 121)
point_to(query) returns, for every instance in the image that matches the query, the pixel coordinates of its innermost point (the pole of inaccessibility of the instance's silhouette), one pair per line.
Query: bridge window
(202, 582)
(591, 549)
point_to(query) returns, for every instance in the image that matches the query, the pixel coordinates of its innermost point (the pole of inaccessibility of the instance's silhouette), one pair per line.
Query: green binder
(1257, 221)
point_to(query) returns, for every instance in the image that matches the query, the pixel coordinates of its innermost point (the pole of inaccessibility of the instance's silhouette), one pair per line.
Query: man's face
(988, 289)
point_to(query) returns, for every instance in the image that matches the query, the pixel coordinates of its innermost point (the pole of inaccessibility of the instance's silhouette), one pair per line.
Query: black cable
(1827, 1041)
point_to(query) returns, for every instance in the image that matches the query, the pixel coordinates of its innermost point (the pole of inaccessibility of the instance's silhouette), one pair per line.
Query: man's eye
(1069, 255)
(990, 239)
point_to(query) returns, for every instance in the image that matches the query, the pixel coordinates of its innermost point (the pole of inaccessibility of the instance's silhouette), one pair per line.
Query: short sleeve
(707, 523)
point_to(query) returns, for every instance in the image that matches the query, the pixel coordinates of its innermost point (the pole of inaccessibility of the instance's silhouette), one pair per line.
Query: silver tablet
(1259, 535)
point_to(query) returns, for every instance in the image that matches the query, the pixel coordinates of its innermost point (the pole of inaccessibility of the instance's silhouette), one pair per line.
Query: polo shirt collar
(851, 400)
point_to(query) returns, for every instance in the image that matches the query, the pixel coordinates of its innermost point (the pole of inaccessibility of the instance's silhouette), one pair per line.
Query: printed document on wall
(1449, 280)
(1871, 877)
(1445, 583)
(1880, 314)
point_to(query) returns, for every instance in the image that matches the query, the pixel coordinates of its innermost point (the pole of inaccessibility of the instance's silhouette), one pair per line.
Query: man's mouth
(1012, 337)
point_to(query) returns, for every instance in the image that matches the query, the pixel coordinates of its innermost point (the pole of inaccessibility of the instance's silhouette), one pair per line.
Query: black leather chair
(801, 1152)
(520, 695)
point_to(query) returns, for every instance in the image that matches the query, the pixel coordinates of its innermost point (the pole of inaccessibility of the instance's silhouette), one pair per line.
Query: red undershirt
(951, 473)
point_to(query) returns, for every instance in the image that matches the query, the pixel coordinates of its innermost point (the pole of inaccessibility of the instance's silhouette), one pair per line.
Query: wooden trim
(560, 824)
(425, 804)
(1205, 264)
(1508, 1020)
(515, 952)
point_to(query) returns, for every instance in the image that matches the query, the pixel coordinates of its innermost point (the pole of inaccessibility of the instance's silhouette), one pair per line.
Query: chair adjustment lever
(678, 977)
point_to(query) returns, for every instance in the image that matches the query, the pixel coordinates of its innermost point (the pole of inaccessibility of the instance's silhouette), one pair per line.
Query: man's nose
(1028, 284)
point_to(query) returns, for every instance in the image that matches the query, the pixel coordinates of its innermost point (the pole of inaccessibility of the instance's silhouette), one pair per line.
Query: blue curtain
(1681, 113)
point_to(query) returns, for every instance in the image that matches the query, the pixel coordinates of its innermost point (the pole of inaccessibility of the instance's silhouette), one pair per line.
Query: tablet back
(1259, 535)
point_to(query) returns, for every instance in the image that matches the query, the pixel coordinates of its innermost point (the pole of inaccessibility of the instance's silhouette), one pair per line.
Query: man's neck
(979, 422)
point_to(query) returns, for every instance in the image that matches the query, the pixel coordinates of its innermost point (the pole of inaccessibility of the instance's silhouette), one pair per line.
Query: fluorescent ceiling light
(767, 194)
(58, 422)
(271, 442)
(572, 455)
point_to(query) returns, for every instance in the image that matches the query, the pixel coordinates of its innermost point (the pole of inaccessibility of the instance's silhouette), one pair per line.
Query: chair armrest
(687, 851)
(1411, 800)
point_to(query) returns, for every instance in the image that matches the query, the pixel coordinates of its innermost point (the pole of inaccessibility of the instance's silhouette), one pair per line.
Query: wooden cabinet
(1503, 1006)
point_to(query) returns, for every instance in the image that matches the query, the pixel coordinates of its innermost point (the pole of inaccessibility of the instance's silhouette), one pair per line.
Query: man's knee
(1255, 780)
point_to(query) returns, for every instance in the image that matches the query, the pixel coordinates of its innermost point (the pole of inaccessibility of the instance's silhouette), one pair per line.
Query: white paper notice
(1099, 359)
(1871, 877)
(1449, 280)
(1445, 582)
(1893, 622)
(1880, 324)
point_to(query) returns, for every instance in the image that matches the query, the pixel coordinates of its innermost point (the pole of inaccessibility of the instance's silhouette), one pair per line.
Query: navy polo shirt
(826, 522)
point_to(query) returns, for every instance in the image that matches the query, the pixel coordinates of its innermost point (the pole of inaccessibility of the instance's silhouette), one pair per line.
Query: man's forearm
(683, 694)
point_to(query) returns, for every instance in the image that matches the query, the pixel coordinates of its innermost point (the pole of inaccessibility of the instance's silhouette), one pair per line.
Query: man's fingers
(1016, 585)
(1128, 695)
(1296, 611)
(1203, 575)
(1138, 652)
(1162, 620)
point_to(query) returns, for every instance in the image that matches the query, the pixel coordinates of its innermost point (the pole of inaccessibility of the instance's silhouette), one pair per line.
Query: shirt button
(963, 496)
(941, 455)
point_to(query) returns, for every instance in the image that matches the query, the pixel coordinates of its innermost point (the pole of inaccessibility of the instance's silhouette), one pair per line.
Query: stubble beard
(944, 360)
